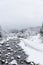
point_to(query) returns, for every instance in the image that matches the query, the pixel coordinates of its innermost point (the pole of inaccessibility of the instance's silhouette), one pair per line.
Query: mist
(17, 14)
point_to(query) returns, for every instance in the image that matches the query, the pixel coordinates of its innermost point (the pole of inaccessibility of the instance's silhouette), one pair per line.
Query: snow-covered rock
(14, 62)
(9, 48)
(12, 58)
(6, 62)
(7, 45)
(18, 56)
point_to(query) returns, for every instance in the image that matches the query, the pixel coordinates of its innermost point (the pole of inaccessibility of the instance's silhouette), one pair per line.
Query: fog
(17, 14)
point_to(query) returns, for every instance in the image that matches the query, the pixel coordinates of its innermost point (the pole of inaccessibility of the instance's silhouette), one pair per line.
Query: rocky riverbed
(12, 54)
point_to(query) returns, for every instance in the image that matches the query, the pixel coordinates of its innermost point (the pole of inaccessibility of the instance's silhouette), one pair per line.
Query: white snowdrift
(33, 48)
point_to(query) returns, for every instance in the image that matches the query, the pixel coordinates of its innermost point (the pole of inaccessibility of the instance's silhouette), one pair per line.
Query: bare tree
(0, 32)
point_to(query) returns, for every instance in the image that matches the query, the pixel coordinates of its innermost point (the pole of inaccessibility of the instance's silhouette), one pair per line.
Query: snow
(7, 39)
(18, 56)
(33, 47)
(13, 62)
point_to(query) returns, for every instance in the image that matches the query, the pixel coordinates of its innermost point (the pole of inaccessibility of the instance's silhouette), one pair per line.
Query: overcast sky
(20, 13)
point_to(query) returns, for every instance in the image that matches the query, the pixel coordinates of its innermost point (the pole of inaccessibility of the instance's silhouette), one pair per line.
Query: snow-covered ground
(33, 47)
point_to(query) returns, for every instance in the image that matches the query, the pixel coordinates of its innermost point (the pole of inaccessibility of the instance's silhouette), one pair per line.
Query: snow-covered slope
(33, 47)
